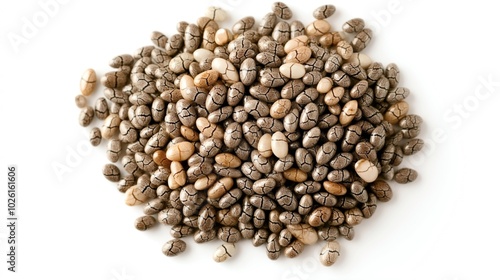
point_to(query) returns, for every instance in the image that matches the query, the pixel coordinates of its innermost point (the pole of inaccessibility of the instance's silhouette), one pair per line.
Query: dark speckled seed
(324, 11)
(405, 175)
(281, 10)
(309, 116)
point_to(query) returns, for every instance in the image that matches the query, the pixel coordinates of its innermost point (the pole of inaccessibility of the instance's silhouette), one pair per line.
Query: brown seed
(145, 222)
(281, 10)
(174, 247)
(396, 112)
(304, 233)
(335, 188)
(295, 175)
(405, 175)
(228, 160)
(206, 78)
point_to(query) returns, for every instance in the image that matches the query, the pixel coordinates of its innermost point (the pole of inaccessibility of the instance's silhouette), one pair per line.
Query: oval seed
(396, 112)
(353, 25)
(324, 11)
(279, 145)
(145, 222)
(224, 252)
(330, 253)
(405, 175)
(281, 10)
(366, 170)
(88, 82)
(174, 247)
(318, 27)
(304, 233)
(292, 70)
(180, 151)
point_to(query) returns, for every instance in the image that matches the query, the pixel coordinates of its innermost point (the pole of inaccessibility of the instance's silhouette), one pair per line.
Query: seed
(180, 151)
(88, 82)
(396, 112)
(292, 70)
(405, 175)
(216, 13)
(330, 253)
(366, 170)
(281, 10)
(95, 136)
(145, 222)
(353, 25)
(174, 247)
(304, 233)
(318, 27)
(111, 172)
(324, 11)
(224, 252)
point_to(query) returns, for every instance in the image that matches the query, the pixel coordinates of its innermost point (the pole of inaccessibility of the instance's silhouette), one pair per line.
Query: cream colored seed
(205, 182)
(88, 82)
(178, 174)
(134, 196)
(299, 55)
(220, 187)
(206, 79)
(366, 170)
(396, 112)
(330, 253)
(335, 109)
(324, 85)
(216, 13)
(318, 27)
(334, 188)
(226, 69)
(299, 41)
(362, 59)
(295, 175)
(228, 160)
(208, 129)
(180, 151)
(224, 252)
(293, 70)
(111, 126)
(334, 96)
(348, 112)
(202, 55)
(185, 83)
(279, 145)
(280, 108)
(223, 36)
(304, 233)
(264, 145)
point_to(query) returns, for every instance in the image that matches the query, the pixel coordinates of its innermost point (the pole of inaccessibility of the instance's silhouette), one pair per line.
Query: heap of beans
(280, 133)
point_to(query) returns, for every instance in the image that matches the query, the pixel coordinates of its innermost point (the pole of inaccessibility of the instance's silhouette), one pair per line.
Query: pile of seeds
(280, 133)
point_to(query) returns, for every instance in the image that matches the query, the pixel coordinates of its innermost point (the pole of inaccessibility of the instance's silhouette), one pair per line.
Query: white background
(73, 224)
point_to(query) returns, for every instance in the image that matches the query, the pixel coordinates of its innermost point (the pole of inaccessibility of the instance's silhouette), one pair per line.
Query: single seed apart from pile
(281, 132)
